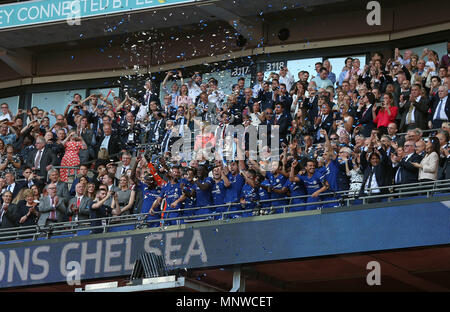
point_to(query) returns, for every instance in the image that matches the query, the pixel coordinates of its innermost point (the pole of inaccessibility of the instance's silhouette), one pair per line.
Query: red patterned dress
(70, 159)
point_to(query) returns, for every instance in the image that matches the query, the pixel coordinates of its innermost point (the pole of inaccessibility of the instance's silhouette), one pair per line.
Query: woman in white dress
(356, 175)
(428, 167)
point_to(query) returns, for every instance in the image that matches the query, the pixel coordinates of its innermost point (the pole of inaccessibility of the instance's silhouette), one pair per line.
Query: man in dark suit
(79, 206)
(440, 111)
(96, 120)
(168, 135)
(110, 142)
(89, 138)
(324, 121)
(374, 171)
(311, 103)
(149, 96)
(42, 159)
(62, 189)
(363, 116)
(405, 172)
(156, 128)
(415, 111)
(8, 217)
(266, 96)
(31, 178)
(445, 60)
(282, 121)
(13, 186)
(82, 172)
(283, 97)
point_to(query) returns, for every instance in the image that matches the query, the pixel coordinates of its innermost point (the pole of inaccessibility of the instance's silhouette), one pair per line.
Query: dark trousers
(411, 126)
(382, 130)
(438, 123)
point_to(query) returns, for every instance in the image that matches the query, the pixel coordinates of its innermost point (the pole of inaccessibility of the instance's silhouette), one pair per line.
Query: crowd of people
(358, 130)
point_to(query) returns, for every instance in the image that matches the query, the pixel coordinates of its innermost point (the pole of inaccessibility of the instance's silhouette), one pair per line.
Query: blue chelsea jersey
(149, 197)
(218, 193)
(171, 192)
(312, 183)
(250, 195)
(203, 198)
(233, 192)
(189, 202)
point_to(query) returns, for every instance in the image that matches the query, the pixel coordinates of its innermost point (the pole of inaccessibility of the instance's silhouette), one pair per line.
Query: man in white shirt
(149, 96)
(194, 84)
(287, 78)
(215, 96)
(406, 57)
(6, 114)
(259, 84)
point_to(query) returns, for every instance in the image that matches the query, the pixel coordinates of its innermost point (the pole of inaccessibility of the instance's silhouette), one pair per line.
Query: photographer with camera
(101, 209)
(129, 132)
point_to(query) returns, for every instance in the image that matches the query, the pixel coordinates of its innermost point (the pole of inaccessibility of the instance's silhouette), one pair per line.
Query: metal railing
(140, 220)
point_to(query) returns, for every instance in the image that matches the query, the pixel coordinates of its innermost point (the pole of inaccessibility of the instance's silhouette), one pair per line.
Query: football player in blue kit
(188, 190)
(330, 171)
(296, 189)
(218, 190)
(171, 192)
(150, 192)
(277, 180)
(263, 194)
(233, 182)
(202, 186)
(315, 183)
(249, 194)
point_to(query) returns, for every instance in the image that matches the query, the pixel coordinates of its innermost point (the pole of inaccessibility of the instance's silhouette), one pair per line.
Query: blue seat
(83, 232)
(121, 228)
